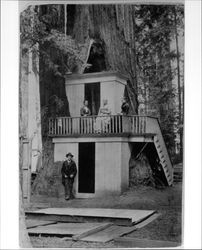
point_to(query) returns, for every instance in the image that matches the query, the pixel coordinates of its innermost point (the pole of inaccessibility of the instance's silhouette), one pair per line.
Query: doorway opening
(86, 175)
(92, 94)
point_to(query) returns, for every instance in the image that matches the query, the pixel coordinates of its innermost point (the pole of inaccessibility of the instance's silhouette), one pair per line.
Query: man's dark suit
(68, 172)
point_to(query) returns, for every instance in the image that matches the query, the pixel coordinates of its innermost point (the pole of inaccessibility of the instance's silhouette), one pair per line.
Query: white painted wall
(75, 95)
(107, 92)
(125, 157)
(108, 168)
(112, 91)
(118, 96)
(111, 88)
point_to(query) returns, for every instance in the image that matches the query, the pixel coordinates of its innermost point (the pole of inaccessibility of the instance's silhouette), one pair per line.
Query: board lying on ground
(92, 232)
(68, 229)
(117, 216)
(143, 243)
(115, 231)
(36, 223)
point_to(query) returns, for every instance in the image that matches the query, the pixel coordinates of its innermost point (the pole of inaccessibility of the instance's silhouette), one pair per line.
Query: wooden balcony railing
(94, 125)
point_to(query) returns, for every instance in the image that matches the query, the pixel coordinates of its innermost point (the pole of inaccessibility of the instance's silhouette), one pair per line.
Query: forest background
(144, 42)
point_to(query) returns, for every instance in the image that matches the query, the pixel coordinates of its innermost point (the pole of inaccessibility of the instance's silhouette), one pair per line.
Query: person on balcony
(103, 119)
(85, 111)
(125, 107)
(84, 122)
(68, 171)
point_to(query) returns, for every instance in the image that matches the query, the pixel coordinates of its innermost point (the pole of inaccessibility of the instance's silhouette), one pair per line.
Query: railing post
(49, 131)
(59, 125)
(108, 124)
(132, 124)
(26, 170)
(63, 125)
(118, 124)
(145, 124)
(125, 124)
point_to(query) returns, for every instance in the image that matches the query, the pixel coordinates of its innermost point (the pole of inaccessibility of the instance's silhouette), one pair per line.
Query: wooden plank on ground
(108, 234)
(117, 216)
(92, 231)
(36, 223)
(129, 242)
(147, 221)
(65, 229)
(115, 231)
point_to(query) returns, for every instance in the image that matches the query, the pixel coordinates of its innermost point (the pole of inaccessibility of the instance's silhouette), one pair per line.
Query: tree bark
(23, 235)
(30, 125)
(178, 84)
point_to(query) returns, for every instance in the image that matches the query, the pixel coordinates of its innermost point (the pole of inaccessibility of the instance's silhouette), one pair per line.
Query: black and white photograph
(101, 108)
(101, 124)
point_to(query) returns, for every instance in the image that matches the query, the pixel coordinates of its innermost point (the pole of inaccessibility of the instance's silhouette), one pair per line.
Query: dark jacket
(68, 169)
(85, 111)
(125, 108)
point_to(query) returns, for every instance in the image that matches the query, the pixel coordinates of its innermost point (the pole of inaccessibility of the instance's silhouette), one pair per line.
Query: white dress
(103, 120)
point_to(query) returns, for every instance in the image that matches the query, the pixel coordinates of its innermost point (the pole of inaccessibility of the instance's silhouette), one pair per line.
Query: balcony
(112, 125)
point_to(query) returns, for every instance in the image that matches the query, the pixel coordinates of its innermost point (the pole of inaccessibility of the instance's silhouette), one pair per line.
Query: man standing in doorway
(68, 172)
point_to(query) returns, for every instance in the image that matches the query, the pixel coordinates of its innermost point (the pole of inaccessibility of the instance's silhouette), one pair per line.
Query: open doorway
(92, 94)
(86, 175)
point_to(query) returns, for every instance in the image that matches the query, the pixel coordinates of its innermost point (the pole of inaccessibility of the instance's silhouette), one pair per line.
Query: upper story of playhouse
(95, 87)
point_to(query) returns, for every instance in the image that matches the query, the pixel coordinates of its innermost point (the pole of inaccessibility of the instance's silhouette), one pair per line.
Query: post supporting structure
(26, 171)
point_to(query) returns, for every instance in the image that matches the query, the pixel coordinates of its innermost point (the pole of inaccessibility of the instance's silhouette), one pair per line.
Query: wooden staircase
(153, 126)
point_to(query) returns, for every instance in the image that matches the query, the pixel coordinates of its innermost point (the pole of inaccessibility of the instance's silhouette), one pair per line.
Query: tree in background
(155, 30)
(137, 41)
(178, 17)
(57, 52)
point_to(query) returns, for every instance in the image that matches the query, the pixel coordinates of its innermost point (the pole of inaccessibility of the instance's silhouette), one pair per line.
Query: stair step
(177, 180)
(177, 175)
(164, 158)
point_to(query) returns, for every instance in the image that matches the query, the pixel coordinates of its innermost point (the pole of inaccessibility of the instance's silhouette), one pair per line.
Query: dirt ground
(168, 202)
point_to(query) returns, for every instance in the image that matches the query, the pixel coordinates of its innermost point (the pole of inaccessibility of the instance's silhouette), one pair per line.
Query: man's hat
(69, 154)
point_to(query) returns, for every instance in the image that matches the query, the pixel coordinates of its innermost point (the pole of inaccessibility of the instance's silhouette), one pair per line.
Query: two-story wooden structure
(103, 158)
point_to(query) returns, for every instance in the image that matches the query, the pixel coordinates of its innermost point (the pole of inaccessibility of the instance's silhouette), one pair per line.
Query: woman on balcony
(84, 122)
(103, 119)
(85, 111)
(125, 107)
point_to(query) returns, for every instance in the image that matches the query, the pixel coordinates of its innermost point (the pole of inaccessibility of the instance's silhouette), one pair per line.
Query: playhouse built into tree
(103, 158)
